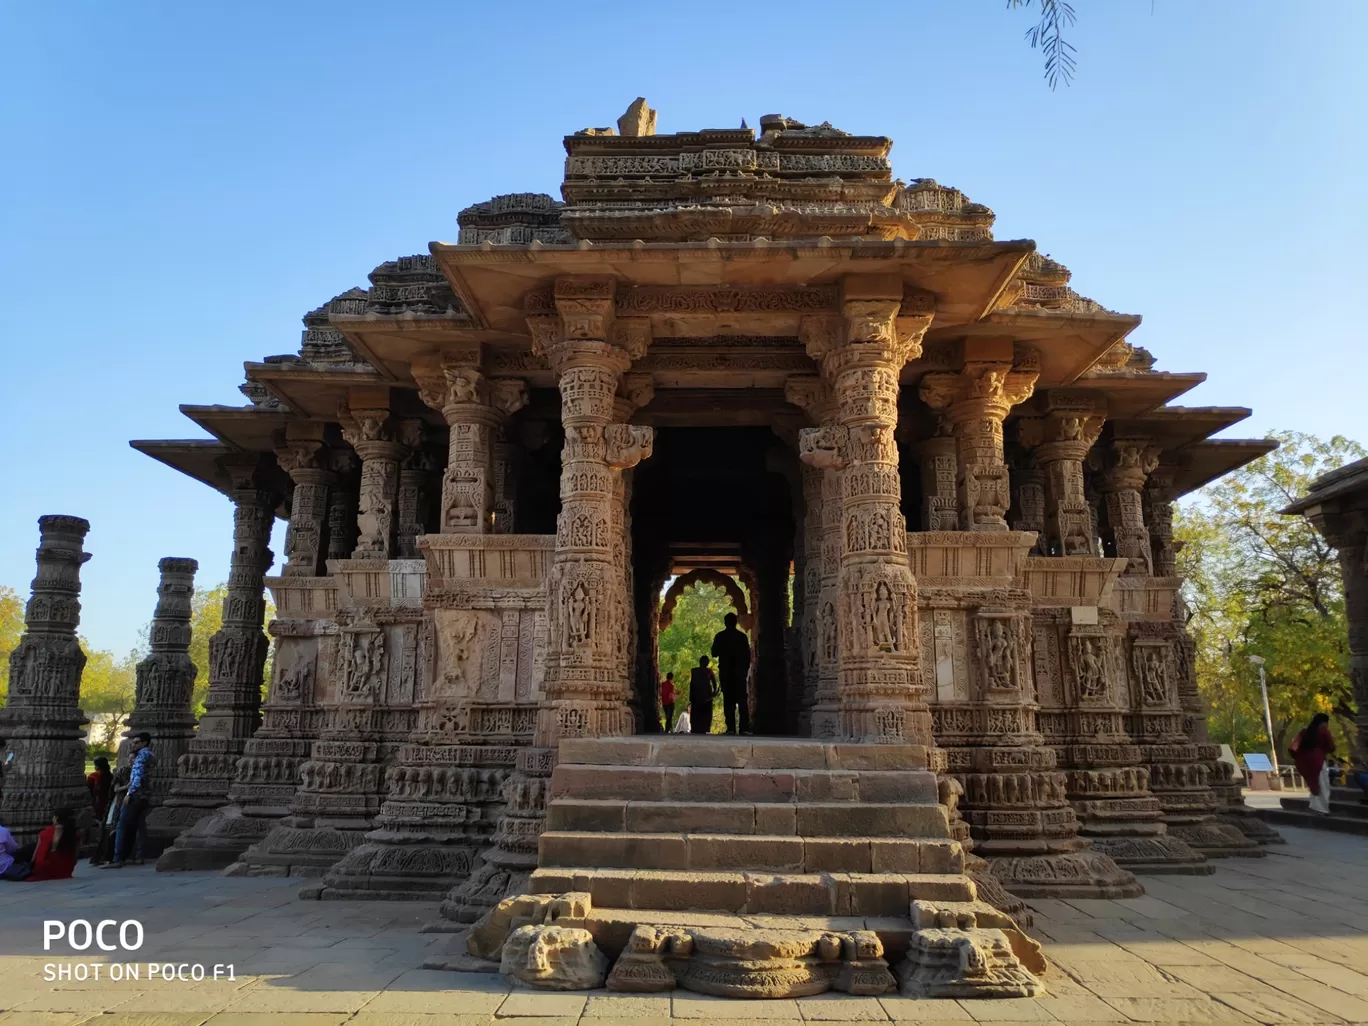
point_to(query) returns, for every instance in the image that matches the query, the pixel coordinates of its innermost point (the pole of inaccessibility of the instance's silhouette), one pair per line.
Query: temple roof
(723, 239)
(1350, 480)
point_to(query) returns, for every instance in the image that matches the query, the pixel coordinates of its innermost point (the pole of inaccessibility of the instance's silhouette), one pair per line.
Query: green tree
(11, 628)
(108, 690)
(1262, 584)
(697, 617)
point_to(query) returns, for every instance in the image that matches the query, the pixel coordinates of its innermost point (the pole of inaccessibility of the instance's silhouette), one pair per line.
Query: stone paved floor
(1276, 940)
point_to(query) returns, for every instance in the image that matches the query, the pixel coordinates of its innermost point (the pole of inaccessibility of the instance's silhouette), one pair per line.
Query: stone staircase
(748, 827)
(1348, 812)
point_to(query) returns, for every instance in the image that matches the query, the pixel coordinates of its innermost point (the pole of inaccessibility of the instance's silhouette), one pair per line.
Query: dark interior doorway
(723, 498)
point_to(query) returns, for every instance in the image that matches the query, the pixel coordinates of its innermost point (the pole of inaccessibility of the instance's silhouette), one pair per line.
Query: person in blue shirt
(133, 817)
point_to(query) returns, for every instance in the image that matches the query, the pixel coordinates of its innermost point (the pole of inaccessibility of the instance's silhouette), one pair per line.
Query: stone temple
(936, 482)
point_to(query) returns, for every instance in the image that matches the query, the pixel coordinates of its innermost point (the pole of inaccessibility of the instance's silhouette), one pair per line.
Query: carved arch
(706, 575)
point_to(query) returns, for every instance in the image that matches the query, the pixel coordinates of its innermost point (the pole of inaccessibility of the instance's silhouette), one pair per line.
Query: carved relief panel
(294, 671)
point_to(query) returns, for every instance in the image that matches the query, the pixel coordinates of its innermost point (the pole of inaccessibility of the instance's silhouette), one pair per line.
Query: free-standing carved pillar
(588, 673)
(237, 657)
(371, 433)
(1129, 463)
(305, 538)
(976, 401)
(44, 752)
(1060, 442)
(881, 694)
(1028, 503)
(166, 683)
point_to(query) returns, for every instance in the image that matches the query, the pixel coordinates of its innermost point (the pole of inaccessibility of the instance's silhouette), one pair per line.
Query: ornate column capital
(981, 390)
(370, 432)
(881, 323)
(1128, 464)
(305, 460)
(575, 322)
(1067, 430)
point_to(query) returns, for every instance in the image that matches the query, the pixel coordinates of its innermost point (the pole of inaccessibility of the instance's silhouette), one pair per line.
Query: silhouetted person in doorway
(732, 650)
(702, 689)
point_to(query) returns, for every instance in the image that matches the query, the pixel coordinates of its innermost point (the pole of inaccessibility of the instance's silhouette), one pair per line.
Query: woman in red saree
(1309, 750)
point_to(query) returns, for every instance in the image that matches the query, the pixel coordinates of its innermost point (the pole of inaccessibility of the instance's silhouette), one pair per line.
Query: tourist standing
(702, 691)
(132, 828)
(731, 648)
(1309, 751)
(667, 700)
(100, 783)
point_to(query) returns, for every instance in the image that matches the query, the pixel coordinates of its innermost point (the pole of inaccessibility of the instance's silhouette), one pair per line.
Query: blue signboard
(1257, 762)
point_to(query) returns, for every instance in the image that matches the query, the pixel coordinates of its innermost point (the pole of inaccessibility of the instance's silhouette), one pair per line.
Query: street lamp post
(1268, 716)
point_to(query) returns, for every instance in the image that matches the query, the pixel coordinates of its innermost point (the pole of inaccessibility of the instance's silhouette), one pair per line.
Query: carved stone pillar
(166, 684)
(976, 401)
(305, 548)
(44, 751)
(1129, 462)
(342, 503)
(822, 559)
(1060, 442)
(588, 674)
(1157, 507)
(371, 433)
(237, 657)
(881, 694)
(415, 493)
(940, 504)
(1028, 504)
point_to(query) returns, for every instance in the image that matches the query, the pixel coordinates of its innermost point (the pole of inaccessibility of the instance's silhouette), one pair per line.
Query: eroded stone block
(554, 958)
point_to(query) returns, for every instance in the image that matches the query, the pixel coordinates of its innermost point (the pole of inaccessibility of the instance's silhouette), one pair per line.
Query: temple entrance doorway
(713, 508)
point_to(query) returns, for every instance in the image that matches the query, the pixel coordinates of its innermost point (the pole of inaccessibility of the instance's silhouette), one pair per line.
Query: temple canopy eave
(965, 277)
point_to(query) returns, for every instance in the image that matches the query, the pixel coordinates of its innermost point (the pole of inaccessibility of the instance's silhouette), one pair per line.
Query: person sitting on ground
(9, 847)
(55, 857)
(702, 691)
(1310, 750)
(52, 856)
(682, 724)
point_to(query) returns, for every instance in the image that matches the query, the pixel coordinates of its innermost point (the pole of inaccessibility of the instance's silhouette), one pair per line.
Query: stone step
(723, 751)
(819, 819)
(1346, 810)
(1315, 821)
(721, 784)
(710, 852)
(754, 893)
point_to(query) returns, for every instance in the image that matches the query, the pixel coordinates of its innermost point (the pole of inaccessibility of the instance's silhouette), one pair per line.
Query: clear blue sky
(182, 181)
